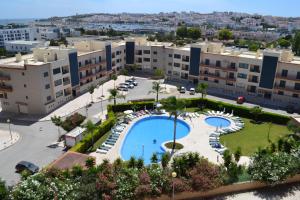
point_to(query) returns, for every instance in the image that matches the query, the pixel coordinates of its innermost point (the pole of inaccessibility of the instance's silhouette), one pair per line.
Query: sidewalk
(5, 139)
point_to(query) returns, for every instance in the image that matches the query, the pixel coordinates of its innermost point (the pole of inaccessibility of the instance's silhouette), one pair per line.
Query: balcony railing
(290, 78)
(217, 76)
(228, 68)
(5, 88)
(4, 77)
(287, 88)
(254, 70)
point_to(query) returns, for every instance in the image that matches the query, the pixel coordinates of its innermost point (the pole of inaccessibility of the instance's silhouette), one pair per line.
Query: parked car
(192, 91)
(134, 83)
(129, 85)
(25, 165)
(129, 81)
(122, 88)
(182, 89)
(240, 100)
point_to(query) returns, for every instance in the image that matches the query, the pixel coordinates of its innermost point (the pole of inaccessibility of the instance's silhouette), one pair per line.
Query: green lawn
(253, 136)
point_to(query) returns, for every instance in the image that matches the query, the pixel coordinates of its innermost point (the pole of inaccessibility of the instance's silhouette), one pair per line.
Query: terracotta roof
(69, 159)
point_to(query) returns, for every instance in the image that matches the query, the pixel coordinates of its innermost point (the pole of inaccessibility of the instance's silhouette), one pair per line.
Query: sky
(17, 9)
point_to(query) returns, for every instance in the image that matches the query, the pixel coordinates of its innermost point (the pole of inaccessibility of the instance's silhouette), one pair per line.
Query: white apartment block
(22, 46)
(43, 81)
(7, 35)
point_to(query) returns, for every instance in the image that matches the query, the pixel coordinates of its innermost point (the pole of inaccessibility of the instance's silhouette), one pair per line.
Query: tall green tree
(202, 88)
(284, 43)
(225, 34)
(114, 77)
(256, 111)
(156, 89)
(114, 95)
(175, 107)
(90, 128)
(181, 31)
(91, 91)
(194, 33)
(296, 43)
(56, 120)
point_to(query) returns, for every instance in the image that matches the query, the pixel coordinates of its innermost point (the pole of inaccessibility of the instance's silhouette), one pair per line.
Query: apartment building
(7, 35)
(22, 46)
(51, 76)
(270, 77)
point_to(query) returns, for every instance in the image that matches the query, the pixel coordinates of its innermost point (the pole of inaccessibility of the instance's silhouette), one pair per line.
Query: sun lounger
(102, 151)
(104, 147)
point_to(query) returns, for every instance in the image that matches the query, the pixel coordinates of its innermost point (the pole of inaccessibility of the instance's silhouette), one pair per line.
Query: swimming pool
(217, 122)
(146, 136)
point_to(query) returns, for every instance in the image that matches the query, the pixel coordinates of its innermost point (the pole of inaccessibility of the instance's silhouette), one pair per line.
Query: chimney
(18, 57)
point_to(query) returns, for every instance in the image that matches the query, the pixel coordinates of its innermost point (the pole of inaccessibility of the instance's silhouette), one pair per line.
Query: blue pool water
(217, 122)
(146, 136)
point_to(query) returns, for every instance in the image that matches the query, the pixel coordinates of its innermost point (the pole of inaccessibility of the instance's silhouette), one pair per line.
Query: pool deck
(195, 141)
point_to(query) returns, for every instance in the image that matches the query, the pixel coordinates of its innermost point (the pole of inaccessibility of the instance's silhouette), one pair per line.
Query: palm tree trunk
(174, 135)
(157, 96)
(115, 101)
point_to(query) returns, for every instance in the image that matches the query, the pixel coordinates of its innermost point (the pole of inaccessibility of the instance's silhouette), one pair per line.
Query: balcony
(5, 88)
(184, 59)
(253, 80)
(4, 77)
(217, 76)
(286, 88)
(228, 68)
(289, 78)
(254, 70)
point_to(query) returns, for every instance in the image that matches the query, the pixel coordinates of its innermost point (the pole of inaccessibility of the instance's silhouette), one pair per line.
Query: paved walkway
(7, 139)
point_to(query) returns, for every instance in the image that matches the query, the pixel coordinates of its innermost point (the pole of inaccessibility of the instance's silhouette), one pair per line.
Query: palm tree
(174, 107)
(114, 95)
(91, 91)
(114, 77)
(90, 127)
(156, 89)
(58, 122)
(201, 88)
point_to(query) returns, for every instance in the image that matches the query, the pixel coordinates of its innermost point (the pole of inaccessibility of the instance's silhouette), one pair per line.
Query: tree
(283, 43)
(194, 33)
(91, 91)
(165, 159)
(90, 127)
(2, 52)
(154, 158)
(56, 120)
(159, 73)
(256, 111)
(237, 154)
(90, 162)
(296, 43)
(174, 107)
(181, 31)
(292, 126)
(114, 77)
(202, 88)
(3, 190)
(114, 95)
(156, 89)
(225, 34)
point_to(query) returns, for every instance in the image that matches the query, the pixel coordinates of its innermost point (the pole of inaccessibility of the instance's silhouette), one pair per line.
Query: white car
(182, 90)
(192, 91)
(129, 85)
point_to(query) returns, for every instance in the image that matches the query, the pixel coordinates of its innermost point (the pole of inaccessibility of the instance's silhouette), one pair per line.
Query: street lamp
(102, 91)
(8, 121)
(174, 174)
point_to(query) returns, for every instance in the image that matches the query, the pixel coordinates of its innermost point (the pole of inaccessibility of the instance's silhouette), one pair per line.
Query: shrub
(72, 121)
(128, 106)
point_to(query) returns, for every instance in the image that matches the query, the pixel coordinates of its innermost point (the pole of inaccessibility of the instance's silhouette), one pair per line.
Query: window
(298, 75)
(23, 74)
(218, 63)
(26, 97)
(59, 94)
(146, 59)
(177, 56)
(297, 86)
(146, 51)
(99, 58)
(58, 82)
(282, 84)
(241, 75)
(170, 55)
(170, 64)
(47, 86)
(216, 81)
(56, 70)
(46, 74)
(48, 98)
(232, 65)
(155, 60)
(176, 64)
(79, 64)
(206, 61)
(284, 73)
(25, 85)
(155, 52)
(295, 95)
(243, 65)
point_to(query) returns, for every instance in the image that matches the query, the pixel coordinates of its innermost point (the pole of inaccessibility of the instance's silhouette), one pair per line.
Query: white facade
(29, 34)
(22, 46)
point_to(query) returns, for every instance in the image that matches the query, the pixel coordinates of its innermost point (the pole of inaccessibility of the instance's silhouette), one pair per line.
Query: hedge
(87, 141)
(241, 111)
(129, 106)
